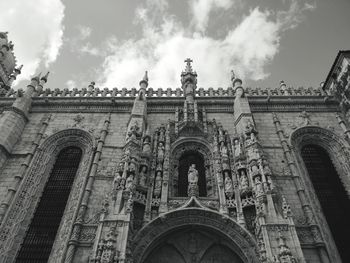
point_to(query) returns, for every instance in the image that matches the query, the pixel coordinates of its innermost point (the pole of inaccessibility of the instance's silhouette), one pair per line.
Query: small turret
(237, 85)
(189, 81)
(143, 86)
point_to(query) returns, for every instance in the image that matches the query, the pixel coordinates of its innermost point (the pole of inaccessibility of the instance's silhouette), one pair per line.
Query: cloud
(246, 47)
(80, 44)
(36, 29)
(201, 9)
(84, 32)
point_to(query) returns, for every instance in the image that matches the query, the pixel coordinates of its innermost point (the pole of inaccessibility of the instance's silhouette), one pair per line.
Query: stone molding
(21, 211)
(243, 242)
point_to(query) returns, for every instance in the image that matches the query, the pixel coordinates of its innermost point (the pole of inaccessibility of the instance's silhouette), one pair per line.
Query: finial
(44, 78)
(233, 76)
(144, 80)
(145, 77)
(188, 62)
(282, 84)
(92, 84)
(37, 78)
(19, 69)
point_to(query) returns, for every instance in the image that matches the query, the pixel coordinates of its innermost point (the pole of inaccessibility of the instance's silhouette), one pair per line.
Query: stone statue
(147, 145)
(158, 184)
(258, 185)
(237, 146)
(132, 166)
(228, 185)
(192, 175)
(267, 170)
(143, 176)
(160, 152)
(192, 189)
(117, 182)
(223, 149)
(129, 184)
(243, 180)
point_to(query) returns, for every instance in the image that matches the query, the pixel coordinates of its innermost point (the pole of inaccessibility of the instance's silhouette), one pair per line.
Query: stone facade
(252, 201)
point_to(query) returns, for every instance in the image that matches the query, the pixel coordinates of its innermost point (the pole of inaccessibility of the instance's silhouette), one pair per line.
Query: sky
(112, 42)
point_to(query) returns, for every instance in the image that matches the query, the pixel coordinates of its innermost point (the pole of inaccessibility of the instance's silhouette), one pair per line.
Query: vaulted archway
(42, 230)
(21, 211)
(194, 233)
(323, 161)
(193, 244)
(331, 195)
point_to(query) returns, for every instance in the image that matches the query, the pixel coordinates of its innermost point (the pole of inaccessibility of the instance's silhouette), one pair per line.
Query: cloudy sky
(113, 42)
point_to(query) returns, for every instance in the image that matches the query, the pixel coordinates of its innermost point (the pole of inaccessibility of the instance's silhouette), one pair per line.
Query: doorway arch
(331, 194)
(338, 153)
(225, 234)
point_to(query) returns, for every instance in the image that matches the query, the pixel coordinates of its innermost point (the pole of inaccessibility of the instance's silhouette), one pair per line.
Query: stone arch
(186, 145)
(240, 240)
(339, 153)
(24, 203)
(337, 148)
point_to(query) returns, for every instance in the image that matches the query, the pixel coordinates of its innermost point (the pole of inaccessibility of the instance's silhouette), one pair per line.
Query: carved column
(163, 207)
(86, 195)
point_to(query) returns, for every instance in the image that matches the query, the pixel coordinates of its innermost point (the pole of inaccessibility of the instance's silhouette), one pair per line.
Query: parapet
(167, 93)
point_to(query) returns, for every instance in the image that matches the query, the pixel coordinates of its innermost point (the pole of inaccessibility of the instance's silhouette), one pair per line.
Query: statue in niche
(192, 181)
(254, 169)
(117, 182)
(161, 135)
(129, 184)
(160, 152)
(221, 134)
(143, 176)
(267, 170)
(243, 180)
(223, 149)
(158, 184)
(237, 147)
(228, 185)
(132, 166)
(250, 131)
(192, 174)
(147, 145)
(258, 185)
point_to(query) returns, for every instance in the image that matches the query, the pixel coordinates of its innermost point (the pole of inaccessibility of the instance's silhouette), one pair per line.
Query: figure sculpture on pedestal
(192, 181)
(228, 185)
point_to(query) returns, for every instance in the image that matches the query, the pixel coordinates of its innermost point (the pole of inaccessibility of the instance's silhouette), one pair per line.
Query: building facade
(231, 174)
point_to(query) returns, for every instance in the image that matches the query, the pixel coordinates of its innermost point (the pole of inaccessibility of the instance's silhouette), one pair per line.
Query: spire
(235, 81)
(44, 78)
(233, 76)
(145, 79)
(189, 80)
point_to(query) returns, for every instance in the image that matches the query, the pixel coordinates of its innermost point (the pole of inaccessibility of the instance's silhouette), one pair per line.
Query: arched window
(331, 195)
(42, 230)
(186, 160)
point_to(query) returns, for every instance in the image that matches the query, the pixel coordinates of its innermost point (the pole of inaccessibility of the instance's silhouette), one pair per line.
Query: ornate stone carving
(33, 184)
(247, 248)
